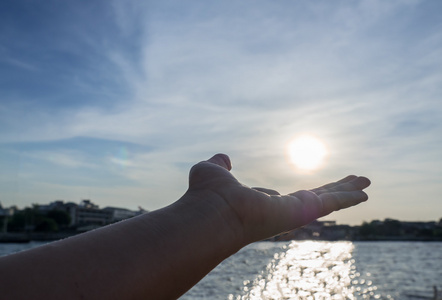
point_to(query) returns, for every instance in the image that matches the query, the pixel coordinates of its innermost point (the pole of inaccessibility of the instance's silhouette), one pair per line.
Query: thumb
(221, 160)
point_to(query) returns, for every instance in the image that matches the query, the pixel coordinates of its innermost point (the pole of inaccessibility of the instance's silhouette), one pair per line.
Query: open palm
(263, 213)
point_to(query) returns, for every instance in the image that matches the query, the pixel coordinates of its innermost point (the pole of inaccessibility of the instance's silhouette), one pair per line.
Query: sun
(307, 152)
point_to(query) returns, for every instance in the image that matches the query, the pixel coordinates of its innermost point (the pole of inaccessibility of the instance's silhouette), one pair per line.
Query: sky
(114, 101)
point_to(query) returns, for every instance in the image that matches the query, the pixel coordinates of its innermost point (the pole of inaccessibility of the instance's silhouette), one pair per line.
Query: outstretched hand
(177, 244)
(258, 213)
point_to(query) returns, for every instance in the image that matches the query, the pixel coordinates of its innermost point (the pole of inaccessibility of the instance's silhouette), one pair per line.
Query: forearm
(196, 240)
(159, 255)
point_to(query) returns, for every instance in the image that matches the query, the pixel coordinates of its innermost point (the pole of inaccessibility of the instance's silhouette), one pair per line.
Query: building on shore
(118, 214)
(5, 213)
(88, 215)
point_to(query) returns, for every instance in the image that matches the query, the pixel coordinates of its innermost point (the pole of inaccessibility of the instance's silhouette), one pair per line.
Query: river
(326, 270)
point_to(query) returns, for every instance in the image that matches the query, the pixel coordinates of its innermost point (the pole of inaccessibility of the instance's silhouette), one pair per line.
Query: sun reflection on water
(310, 270)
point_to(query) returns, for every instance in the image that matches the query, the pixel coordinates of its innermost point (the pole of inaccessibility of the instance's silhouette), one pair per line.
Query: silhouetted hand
(162, 254)
(257, 213)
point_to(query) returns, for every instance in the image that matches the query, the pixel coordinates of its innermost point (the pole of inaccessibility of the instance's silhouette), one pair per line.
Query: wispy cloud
(70, 159)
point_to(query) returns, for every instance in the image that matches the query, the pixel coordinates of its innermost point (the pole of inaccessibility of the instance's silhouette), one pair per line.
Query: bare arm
(162, 254)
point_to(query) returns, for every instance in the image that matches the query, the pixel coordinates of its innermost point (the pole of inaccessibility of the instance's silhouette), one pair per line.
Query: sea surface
(319, 270)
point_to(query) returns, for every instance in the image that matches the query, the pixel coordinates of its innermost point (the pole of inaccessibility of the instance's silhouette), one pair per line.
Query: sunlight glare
(309, 270)
(307, 152)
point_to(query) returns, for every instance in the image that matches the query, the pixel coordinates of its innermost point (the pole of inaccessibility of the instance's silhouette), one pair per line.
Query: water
(319, 270)
(9, 248)
(326, 270)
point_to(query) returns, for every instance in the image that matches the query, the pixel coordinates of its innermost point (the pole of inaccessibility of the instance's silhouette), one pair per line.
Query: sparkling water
(326, 270)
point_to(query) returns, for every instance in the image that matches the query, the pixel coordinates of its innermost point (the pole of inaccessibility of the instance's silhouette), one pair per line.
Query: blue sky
(114, 101)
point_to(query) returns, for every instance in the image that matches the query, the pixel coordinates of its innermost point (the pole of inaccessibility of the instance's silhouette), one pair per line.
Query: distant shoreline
(23, 237)
(380, 239)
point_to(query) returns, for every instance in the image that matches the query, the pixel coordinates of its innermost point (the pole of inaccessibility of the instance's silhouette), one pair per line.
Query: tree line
(32, 219)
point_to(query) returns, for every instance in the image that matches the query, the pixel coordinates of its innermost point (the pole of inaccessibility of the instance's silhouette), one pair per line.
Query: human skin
(162, 254)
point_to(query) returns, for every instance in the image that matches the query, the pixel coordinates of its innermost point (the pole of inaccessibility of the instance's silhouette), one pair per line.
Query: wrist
(217, 217)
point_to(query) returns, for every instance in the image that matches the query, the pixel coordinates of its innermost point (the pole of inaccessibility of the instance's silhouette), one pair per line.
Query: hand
(260, 213)
(140, 257)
